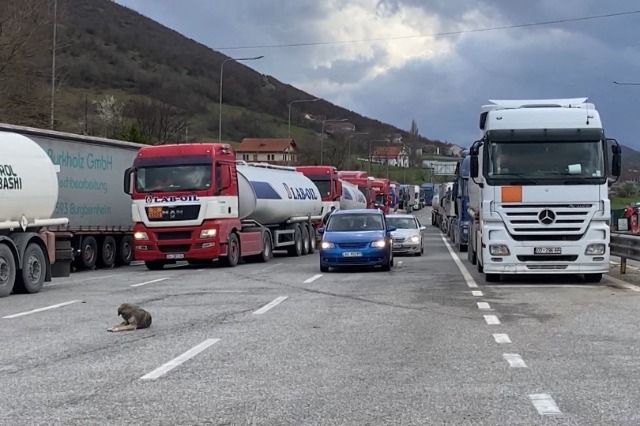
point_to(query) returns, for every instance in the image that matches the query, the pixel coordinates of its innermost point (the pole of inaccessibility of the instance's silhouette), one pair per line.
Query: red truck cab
(382, 188)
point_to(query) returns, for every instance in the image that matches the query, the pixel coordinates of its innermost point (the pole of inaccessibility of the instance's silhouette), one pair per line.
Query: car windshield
(173, 178)
(355, 222)
(402, 222)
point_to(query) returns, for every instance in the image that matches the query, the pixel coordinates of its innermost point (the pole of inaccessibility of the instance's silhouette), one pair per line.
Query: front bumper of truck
(176, 243)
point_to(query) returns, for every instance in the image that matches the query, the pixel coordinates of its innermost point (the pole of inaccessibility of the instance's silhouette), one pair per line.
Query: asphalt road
(280, 343)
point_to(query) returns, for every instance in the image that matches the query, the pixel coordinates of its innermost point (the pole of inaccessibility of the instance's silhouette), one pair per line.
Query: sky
(440, 81)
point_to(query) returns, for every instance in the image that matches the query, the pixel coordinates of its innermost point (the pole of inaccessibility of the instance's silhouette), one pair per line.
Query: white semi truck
(539, 180)
(29, 255)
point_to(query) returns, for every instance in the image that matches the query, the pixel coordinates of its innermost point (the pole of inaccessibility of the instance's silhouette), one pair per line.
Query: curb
(617, 283)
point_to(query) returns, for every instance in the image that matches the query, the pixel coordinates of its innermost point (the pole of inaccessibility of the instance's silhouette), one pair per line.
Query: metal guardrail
(625, 246)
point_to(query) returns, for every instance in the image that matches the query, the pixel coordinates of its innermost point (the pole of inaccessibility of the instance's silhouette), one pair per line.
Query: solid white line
(514, 360)
(265, 308)
(483, 305)
(545, 404)
(165, 368)
(465, 273)
(621, 284)
(477, 293)
(312, 279)
(59, 305)
(82, 281)
(491, 319)
(149, 282)
(501, 338)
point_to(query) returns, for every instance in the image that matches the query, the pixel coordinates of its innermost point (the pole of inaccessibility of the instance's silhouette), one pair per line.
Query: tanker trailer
(352, 198)
(29, 255)
(195, 202)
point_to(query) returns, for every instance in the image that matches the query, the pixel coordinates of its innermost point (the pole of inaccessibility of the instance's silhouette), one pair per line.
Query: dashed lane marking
(272, 304)
(491, 319)
(312, 279)
(501, 338)
(514, 360)
(545, 404)
(165, 368)
(477, 293)
(483, 305)
(149, 282)
(46, 308)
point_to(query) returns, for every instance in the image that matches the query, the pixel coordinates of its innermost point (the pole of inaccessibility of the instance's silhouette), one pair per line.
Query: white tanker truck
(29, 255)
(195, 202)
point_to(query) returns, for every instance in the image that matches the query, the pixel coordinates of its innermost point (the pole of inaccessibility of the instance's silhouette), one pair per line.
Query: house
(339, 126)
(395, 155)
(455, 150)
(272, 151)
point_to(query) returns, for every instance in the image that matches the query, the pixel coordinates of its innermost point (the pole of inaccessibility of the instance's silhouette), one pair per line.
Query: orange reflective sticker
(511, 194)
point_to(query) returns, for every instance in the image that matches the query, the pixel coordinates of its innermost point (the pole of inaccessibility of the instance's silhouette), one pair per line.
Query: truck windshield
(324, 186)
(355, 222)
(546, 162)
(381, 198)
(173, 178)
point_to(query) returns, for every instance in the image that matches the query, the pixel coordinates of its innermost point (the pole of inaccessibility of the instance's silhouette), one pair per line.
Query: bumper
(521, 260)
(405, 248)
(370, 257)
(173, 244)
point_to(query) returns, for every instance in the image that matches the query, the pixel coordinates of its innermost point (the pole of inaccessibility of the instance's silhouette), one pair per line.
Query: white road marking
(83, 280)
(59, 305)
(545, 404)
(543, 286)
(514, 360)
(268, 268)
(491, 319)
(149, 282)
(165, 368)
(615, 282)
(399, 262)
(312, 279)
(501, 338)
(477, 293)
(483, 305)
(265, 308)
(465, 273)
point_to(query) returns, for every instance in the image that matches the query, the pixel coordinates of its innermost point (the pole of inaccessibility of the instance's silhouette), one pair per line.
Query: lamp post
(322, 137)
(293, 102)
(221, 71)
(53, 61)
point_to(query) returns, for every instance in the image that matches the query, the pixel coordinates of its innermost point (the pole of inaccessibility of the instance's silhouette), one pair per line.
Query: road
(279, 343)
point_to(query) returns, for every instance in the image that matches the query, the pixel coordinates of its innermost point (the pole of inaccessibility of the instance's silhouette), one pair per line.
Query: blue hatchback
(356, 238)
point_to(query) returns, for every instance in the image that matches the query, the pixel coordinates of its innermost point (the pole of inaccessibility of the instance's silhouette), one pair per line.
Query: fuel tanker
(29, 254)
(195, 202)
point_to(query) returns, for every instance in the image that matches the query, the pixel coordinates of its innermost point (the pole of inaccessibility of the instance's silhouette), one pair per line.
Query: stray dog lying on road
(134, 318)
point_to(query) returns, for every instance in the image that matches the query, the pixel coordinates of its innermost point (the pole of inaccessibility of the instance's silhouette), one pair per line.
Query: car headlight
(327, 245)
(140, 236)
(414, 239)
(595, 250)
(379, 244)
(208, 233)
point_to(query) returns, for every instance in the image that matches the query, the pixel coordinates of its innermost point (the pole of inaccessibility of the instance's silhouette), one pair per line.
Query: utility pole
(53, 62)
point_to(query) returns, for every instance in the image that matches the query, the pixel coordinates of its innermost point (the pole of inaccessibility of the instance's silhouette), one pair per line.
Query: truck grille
(177, 248)
(173, 235)
(174, 213)
(560, 222)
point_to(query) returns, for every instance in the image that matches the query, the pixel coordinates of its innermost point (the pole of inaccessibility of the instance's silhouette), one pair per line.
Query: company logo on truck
(8, 178)
(171, 199)
(300, 193)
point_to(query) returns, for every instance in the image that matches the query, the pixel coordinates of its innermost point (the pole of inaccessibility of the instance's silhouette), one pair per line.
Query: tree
(414, 128)
(161, 121)
(627, 189)
(110, 117)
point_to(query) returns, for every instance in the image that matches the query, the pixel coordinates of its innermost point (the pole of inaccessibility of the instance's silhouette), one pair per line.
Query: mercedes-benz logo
(546, 217)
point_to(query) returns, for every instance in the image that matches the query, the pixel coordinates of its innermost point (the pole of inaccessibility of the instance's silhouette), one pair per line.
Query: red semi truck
(195, 202)
(382, 188)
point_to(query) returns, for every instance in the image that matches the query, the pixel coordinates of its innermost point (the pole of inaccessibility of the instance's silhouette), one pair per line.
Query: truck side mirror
(616, 160)
(128, 174)
(473, 166)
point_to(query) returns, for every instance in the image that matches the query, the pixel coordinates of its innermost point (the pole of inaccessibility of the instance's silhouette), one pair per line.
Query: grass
(621, 203)
(411, 176)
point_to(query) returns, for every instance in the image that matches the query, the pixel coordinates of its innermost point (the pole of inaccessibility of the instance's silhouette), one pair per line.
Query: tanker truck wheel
(124, 254)
(7, 270)
(107, 256)
(296, 249)
(313, 238)
(88, 253)
(233, 252)
(306, 243)
(34, 267)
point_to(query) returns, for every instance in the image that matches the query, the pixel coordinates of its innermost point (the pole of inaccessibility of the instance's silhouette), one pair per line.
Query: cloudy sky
(440, 81)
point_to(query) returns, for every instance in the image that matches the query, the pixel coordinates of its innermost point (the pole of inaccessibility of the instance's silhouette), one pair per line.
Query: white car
(407, 238)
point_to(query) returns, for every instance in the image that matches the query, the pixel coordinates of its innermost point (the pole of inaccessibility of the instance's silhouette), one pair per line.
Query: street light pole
(293, 102)
(220, 106)
(53, 61)
(322, 138)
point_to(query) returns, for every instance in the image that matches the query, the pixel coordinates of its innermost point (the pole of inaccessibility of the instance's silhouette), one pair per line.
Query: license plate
(175, 256)
(547, 250)
(154, 212)
(352, 254)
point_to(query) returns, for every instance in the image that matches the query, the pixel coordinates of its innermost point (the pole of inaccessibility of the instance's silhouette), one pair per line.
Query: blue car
(356, 238)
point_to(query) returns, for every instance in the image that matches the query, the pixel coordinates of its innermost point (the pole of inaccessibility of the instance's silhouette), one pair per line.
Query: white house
(273, 151)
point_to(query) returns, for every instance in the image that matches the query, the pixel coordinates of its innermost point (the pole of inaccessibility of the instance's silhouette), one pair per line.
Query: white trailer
(538, 191)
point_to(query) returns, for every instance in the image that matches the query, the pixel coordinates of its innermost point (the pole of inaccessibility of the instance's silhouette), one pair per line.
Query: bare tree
(161, 121)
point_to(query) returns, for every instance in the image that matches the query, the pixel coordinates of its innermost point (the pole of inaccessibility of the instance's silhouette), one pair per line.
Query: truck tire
(296, 249)
(233, 252)
(154, 265)
(471, 254)
(593, 278)
(305, 239)
(267, 250)
(124, 254)
(33, 272)
(313, 239)
(7, 270)
(107, 257)
(88, 253)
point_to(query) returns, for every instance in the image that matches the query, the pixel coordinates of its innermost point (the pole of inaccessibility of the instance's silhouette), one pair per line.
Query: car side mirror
(422, 228)
(320, 231)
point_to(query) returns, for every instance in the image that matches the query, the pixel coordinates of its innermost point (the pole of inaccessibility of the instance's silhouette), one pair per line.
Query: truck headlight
(379, 244)
(208, 233)
(140, 235)
(327, 245)
(595, 250)
(499, 250)
(414, 239)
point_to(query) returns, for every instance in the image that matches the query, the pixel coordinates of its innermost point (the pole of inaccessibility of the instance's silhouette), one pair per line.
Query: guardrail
(625, 246)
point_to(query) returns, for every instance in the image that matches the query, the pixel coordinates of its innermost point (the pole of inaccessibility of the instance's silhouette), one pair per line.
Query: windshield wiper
(519, 176)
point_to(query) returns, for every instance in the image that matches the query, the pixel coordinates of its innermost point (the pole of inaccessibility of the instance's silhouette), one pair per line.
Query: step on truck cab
(539, 189)
(195, 202)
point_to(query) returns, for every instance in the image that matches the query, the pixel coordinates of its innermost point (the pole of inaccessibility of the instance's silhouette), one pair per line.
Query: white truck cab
(539, 189)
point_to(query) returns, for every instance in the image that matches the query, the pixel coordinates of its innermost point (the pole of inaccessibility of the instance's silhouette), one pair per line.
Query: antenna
(587, 108)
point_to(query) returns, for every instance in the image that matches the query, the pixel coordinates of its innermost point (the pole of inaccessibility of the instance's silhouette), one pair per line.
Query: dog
(134, 318)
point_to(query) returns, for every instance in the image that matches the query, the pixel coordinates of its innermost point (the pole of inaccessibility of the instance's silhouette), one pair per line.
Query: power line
(447, 33)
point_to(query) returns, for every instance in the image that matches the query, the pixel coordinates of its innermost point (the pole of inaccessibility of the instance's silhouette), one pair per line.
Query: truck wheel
(593, 278)
(233, 252)
(7, 270)
(33, 272)
(108, 250)
(313, 239)
(124, 254)
(479, 267)
(305, 240)
(154, 265)
(296, 249)
(88, 253)
(492, 278)
(471, 255)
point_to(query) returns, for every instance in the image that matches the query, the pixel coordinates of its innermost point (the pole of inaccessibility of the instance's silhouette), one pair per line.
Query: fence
(625, 246)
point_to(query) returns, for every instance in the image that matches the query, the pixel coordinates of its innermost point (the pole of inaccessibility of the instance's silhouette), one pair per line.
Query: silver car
(407, 238)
